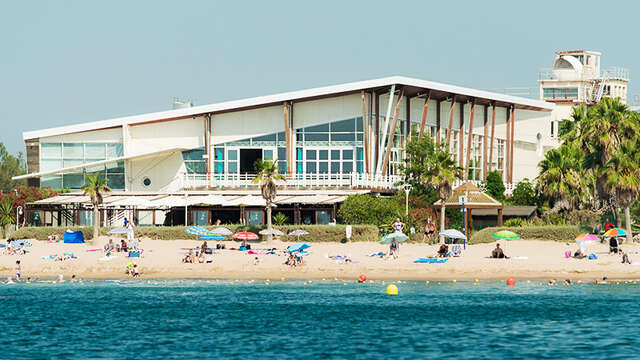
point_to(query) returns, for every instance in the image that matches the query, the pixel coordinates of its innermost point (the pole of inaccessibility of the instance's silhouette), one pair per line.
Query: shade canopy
(475, 198)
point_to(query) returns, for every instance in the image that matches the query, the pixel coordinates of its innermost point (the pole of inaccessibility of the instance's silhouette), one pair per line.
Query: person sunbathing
(109, 246)
(443, 250)
(201, 258)
(190, 258)
(579, 254)
(123, 246)
(497, 253)
(625, 258)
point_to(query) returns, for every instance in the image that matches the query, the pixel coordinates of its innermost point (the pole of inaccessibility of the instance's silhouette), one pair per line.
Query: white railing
(348, 180)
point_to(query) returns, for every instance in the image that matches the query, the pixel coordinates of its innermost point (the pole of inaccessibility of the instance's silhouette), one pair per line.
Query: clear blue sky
(66, 62)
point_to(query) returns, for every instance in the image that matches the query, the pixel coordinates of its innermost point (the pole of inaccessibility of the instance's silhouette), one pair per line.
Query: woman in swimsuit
(398, 225)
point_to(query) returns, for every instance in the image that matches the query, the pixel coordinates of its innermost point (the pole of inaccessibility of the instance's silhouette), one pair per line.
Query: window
(560, 93)
(194, 162)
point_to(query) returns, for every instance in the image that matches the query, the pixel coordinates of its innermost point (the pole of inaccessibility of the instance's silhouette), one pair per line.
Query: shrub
(366, 209)
(524, 194)
(549, 232)
(317, 233)
(280, 218)
(515, 222)
(494, 185)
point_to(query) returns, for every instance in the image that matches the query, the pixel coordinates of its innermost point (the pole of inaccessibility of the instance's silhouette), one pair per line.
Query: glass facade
(54, 156)
(560, 93)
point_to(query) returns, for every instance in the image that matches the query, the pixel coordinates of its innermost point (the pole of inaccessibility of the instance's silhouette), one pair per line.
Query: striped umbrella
(212, 237)
(197, 230)
(587, 237)
(245, 235)
(221, 231)
(615, 232)
(298, 232)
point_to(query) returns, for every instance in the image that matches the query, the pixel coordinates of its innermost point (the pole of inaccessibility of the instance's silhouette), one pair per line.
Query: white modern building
(576, 77)
(196, 163)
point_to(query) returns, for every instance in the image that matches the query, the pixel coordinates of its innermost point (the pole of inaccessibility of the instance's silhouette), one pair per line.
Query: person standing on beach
(398, 226)
(18, 270)
(130, 231)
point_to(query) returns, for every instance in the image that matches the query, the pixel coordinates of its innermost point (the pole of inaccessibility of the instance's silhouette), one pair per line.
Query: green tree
(494, 186)
(360, 209)
(524, 194)
(562, 180)
(267, 177)
(420, 152)
(10, 166)
(606, 127)
(570, 130)
(623, 178)
(6, 214)
(95, 187)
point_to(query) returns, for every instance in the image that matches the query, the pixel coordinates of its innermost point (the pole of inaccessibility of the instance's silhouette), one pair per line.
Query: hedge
(549, 232)
(317, 233)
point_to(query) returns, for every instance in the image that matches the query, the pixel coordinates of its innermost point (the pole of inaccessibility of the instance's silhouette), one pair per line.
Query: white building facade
(329, 141)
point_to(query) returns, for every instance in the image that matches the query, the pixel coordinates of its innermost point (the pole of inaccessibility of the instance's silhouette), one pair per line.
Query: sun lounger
(456, 250)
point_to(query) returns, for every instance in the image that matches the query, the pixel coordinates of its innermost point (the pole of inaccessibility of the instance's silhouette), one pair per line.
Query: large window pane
(117, 167)
(232, 154)
(316, 137)
(282, 167)
(233, 167)
(219, 153)
(94, 151)
(73, 181)
(196, 167)
(323, 216)
(343, 126)
(323, 154)
(69, 163)
(311, 167)
(114, 150)
(86, 218)
(335, 154)
(51, 151)
(347, 154)
(264, 140)
(267, 154)
(311, 154)
(317, 128)
(115, 181)
(54, 181)
(323, 167)
(282, 153)
(49, 165)
(218, 167)
(73, 151)
(343, 137)
(195, 154)
(347, 167)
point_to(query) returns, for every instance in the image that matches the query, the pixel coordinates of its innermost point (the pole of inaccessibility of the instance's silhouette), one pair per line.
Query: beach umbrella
(506, 235)
(245, 235)
(275, 232)
(118, 230)
(20, 243)
(453, 233)
(212, 237)
(587, 237)
(583, 244)
(221, 231)
(615, 232)
(298, 232)
(298, 247)
(397, 236)
(197, 230)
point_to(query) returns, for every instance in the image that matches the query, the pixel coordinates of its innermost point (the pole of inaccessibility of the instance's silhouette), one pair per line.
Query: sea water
(224, 319)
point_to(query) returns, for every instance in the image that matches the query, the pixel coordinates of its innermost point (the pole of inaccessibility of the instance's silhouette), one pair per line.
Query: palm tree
(441, 172)
(94, 187)
(6, 214)
(561, 179)
(267, 177)
(604, 129)
(623, 178)
(569, 130)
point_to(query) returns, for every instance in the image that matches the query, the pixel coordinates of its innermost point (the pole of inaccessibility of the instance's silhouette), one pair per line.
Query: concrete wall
(163, 170)
(187, 133)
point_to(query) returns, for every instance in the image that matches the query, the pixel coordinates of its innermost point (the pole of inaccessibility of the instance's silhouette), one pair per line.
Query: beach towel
(377, 254)
(430, 261)
(592, 256)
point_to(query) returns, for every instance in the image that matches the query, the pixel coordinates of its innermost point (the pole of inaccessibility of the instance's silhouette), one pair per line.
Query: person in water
(497, 253)
(394, 249)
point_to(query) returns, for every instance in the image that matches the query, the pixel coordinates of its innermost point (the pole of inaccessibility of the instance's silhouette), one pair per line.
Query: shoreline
(530, 260)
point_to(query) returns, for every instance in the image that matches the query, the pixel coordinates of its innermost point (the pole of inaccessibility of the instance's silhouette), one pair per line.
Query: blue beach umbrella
(197, 230)
(20, 243)
(298, 247)
(212, 237)
(396, 235)
(221, 231)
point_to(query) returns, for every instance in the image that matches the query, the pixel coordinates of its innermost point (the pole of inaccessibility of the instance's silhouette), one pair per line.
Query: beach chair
(456, 250)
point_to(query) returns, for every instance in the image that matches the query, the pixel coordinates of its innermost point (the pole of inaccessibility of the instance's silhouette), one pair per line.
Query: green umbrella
(505, 234)
(397, 236)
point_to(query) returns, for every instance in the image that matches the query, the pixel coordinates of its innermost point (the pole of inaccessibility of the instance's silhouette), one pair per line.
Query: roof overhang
(101, 162)
(413, 87)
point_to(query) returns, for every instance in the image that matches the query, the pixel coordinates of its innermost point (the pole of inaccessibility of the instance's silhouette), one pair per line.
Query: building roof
(476, 199)
(413, 87)
(520, 211)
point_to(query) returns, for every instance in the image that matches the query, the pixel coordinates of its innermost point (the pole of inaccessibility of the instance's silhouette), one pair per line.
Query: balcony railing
(342, 180)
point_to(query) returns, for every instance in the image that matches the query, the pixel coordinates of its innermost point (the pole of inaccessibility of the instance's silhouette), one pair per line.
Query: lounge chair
(456, 250)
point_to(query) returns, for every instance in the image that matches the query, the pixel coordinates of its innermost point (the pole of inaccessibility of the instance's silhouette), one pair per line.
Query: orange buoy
(362, 278)
(511, 281)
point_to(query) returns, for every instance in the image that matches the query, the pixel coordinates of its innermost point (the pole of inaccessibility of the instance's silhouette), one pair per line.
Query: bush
(317, 233)
(494, 185)
(549, 232)
(515, 222)
(366, 209)
(524, 194)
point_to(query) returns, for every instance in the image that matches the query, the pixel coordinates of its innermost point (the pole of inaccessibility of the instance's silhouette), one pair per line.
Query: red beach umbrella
(245, 235)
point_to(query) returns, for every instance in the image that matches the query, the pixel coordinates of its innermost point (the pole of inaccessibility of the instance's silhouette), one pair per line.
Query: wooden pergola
(475, 199)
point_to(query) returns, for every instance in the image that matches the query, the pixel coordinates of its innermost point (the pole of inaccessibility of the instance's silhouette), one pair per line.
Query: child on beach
(394, 249)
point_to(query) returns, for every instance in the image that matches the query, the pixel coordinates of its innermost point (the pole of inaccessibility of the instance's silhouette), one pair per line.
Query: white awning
(248, 200)
(99, 163)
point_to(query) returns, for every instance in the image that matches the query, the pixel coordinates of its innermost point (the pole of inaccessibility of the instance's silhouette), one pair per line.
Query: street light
(18, 213)
(407, 190)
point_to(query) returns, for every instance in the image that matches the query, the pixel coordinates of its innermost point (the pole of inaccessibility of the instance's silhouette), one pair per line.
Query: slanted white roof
(99, 163)
(519, 102)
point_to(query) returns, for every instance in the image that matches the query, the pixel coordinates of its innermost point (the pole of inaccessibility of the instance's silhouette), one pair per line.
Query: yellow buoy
(281, 279)
(476, 280)
(454, 280)
(392, 289)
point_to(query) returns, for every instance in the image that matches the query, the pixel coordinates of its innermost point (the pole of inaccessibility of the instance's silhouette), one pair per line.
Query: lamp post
(18, 213)
(407, 190)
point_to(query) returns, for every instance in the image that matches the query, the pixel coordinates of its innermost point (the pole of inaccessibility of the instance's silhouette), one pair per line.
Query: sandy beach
(162, 259)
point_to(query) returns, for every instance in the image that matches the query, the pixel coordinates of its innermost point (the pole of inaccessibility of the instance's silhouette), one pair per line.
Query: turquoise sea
(191, 319)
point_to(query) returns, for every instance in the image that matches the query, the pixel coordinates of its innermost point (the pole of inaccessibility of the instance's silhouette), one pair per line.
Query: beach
(162, 260)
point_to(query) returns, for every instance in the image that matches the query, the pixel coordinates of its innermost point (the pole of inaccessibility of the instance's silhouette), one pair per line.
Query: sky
(68, 62)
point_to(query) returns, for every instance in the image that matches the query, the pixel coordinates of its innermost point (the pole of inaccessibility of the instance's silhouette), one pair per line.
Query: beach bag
(567, 254)
(134, 254)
